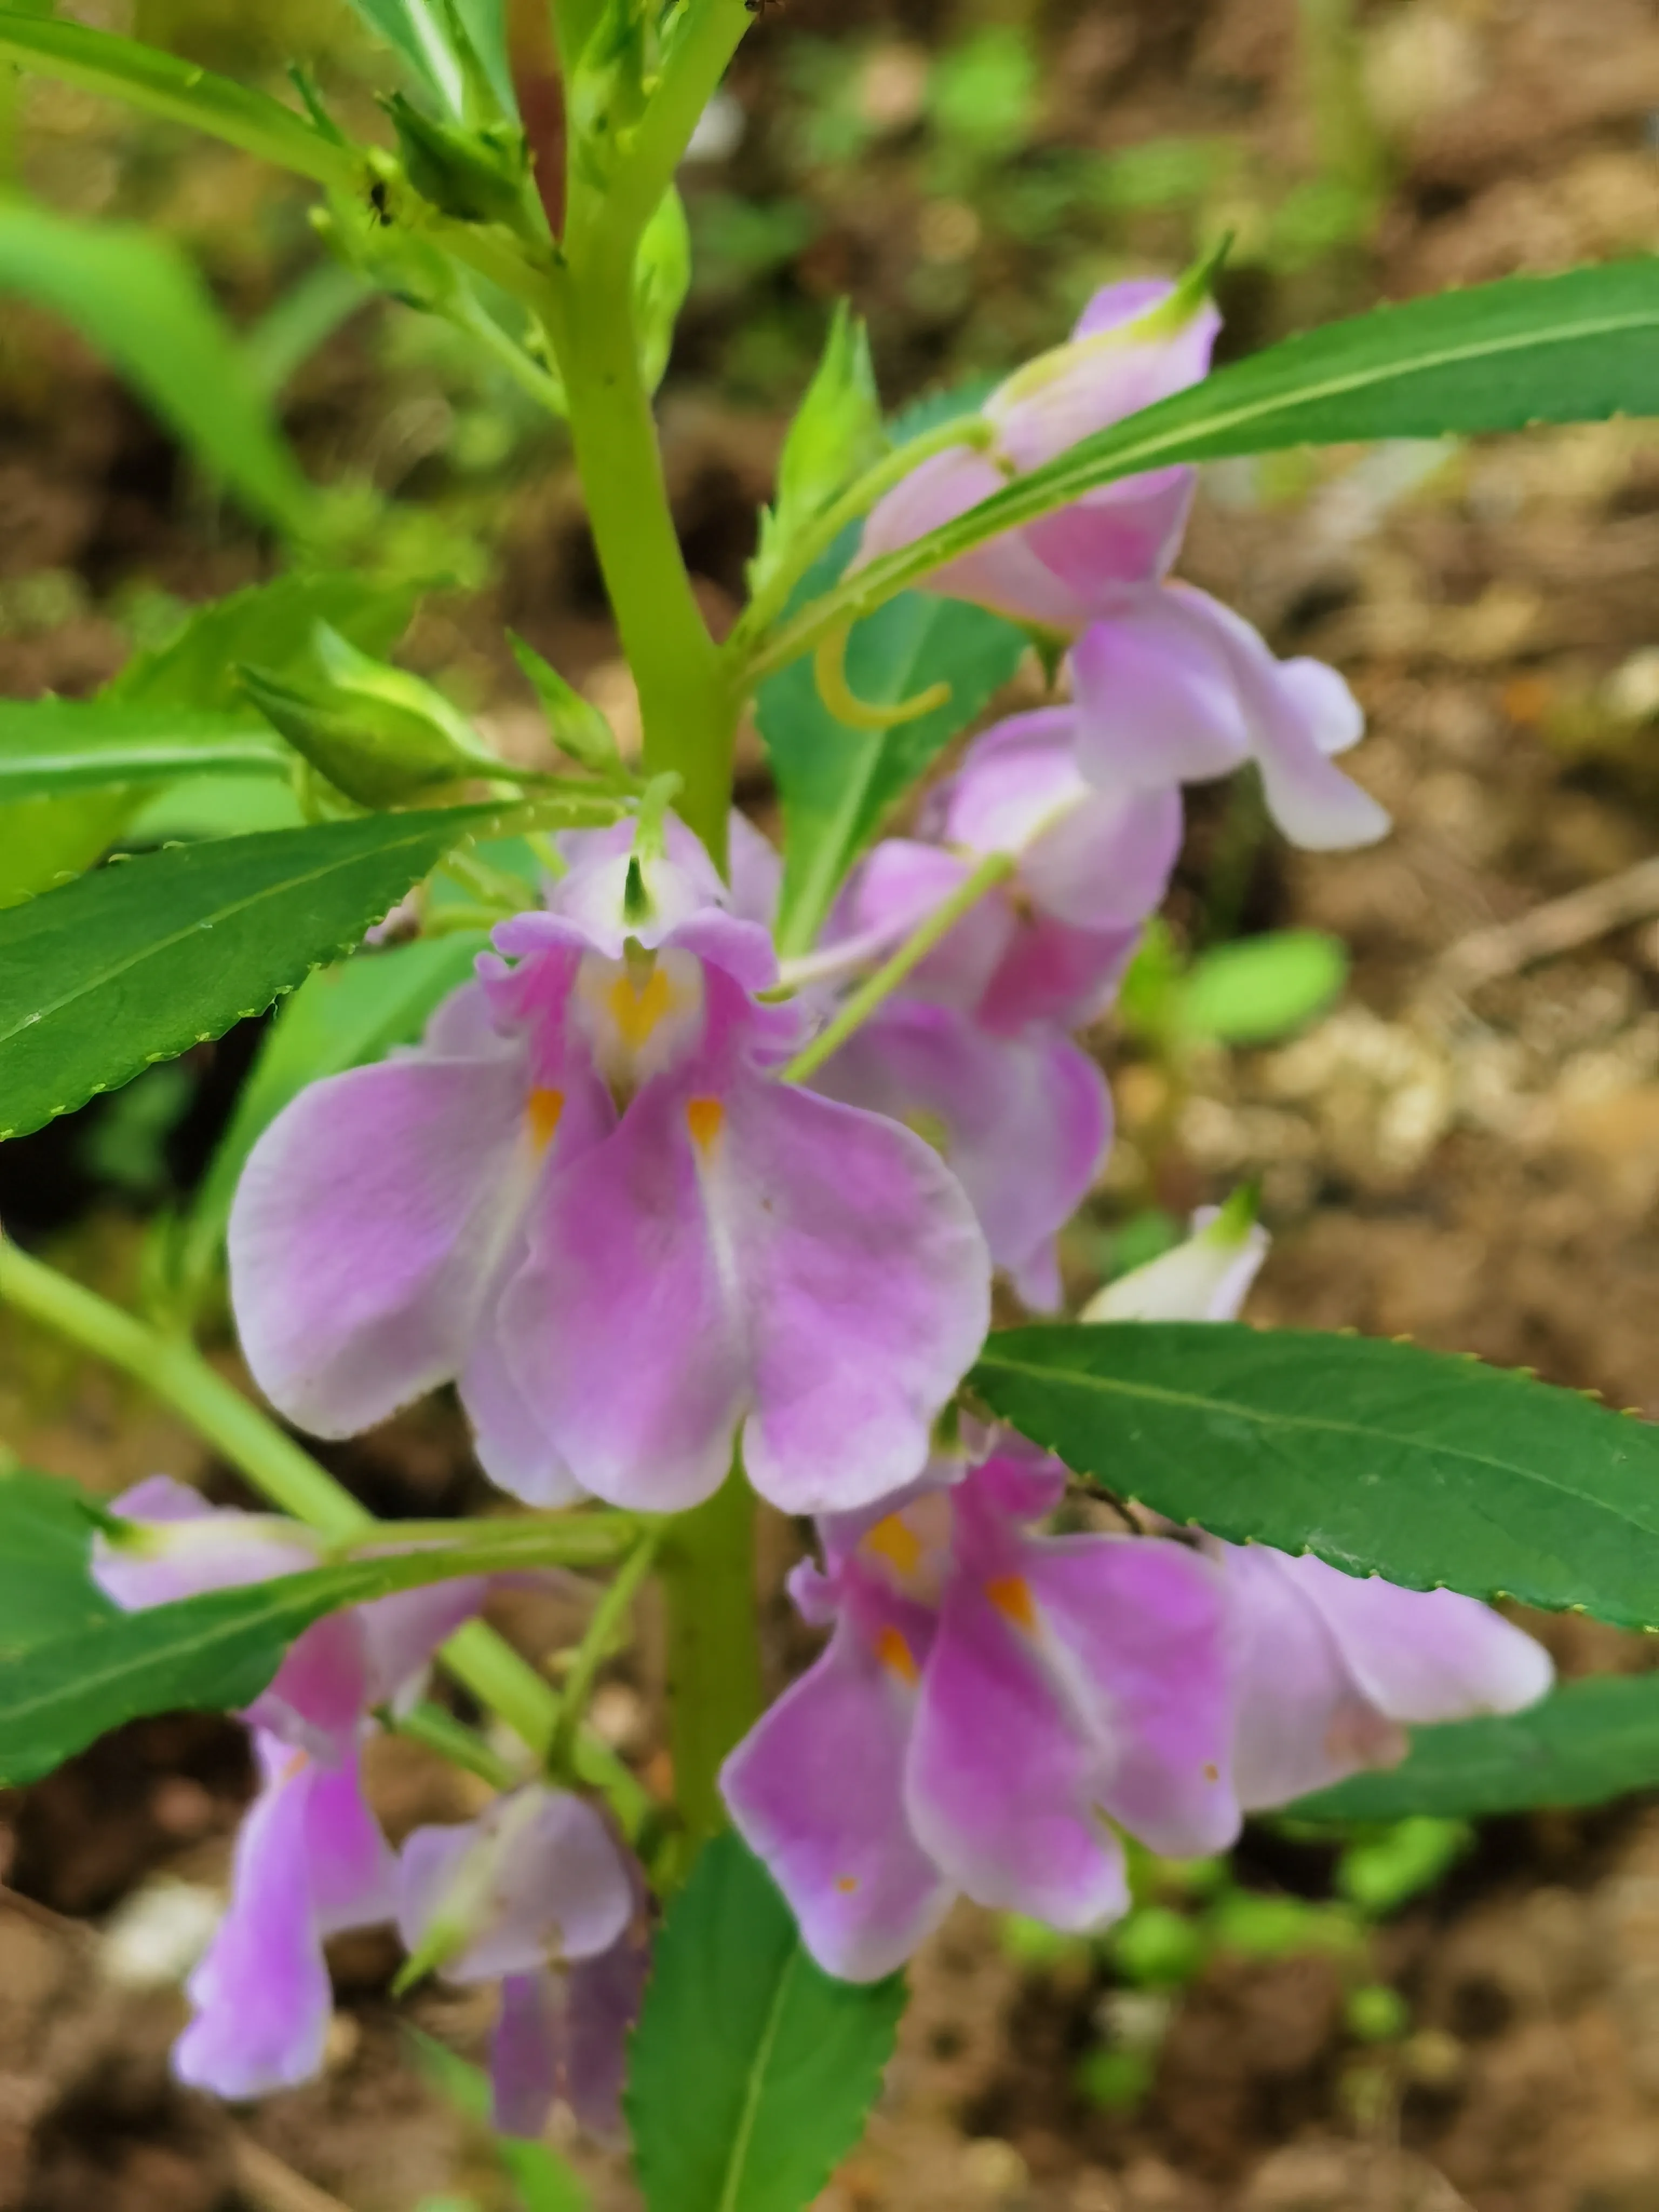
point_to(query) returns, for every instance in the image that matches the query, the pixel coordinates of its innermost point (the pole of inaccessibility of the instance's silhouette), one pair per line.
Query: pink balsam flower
(973, 1050)
(1171, 686)
(989, 1701)
(1328, 1669)
(535, 1894)
(1135, 343)
(310, 1859)
(588, 1198)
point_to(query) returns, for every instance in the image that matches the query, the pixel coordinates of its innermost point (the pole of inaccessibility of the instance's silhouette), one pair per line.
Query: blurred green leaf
(1387, 1871)
(273, 624)
(44, 840)
(136, 299)
(1262, 987)
(983, 95)
(836, 435)
(1590, 1741)
(50, 746)
(752, 2070)
(125, 68)
(46, 1591)
(148, 956)
(1381, 1458)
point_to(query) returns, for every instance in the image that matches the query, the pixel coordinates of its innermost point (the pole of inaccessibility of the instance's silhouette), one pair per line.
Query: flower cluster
(995, 1703)
(587, 1200)
(537, 1881)
(593, 1200)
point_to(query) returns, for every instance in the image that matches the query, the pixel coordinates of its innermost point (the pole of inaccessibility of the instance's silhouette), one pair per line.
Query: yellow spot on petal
(704, 1117)
(895, 1540)
(1212, 1771)
(894, 1654)
(846, 1883)
(1011, 1596)
(637, 1003)
(542, 1114)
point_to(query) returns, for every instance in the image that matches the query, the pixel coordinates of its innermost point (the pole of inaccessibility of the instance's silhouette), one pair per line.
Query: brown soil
(1473, 1162)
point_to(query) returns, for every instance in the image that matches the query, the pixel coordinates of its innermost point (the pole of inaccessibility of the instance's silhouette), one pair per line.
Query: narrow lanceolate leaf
(1576, 348)
(138, 300)
(50, 746)
(836, 783)
(212, 1653)
(125, 68)
(751, 2070)
(143, 959)
(1381, 1458)
(45, 1594)
(1591, 1741)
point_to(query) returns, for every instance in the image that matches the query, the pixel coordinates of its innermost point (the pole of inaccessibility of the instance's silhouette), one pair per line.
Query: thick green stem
(617, 211)
(688, 701)
(708, 1573)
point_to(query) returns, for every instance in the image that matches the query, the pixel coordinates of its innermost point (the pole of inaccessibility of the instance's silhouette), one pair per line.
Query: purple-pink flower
(991, 1700)
(588, 1198)
(974, 1049)
(1170, 686)
(1328, 1669)
(310, 1859)
(535, 1894)
(1135, 343)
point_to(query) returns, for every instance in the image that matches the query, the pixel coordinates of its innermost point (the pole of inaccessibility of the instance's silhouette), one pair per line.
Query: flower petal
(512, 1447)
(621, 1332)
(1157, 699)
(526, 2046)
(178, 1545)
(360, 1232)
(1135, 1629)
(864, 1284)
(817, 1791)
(1002, 1789)
(1301, 1720)
(1424, 1656)
(536, 1875)
(1025, 1120)
(261, 1992)
(1004, 574)
(1207, 1277)
(1298, 713)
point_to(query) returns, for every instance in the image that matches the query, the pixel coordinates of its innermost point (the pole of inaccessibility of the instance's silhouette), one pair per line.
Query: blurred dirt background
(1465, 1150)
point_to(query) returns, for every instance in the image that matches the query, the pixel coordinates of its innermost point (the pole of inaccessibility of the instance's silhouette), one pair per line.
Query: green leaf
(133, 295)
(1262, 987)
(1576, 348)
(417, 31)
(751, 2070)
(1591, 1741)
(211, 1654)
(272, 624)
(44, 1590)
(123, 68)
(44, 840)
(1381, 1458)
(836, 435)
(836, 784)
(146, 958)
(340, 1017)
(49, 746)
